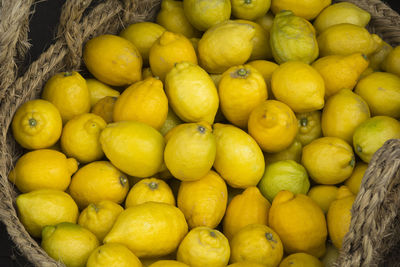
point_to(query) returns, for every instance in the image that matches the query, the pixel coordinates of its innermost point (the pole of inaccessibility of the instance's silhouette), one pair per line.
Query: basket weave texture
(373, 239)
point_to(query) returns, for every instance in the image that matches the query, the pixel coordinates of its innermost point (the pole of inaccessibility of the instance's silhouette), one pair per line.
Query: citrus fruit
(105, 108)
(149, 189)
(323, 195)
(250, 9)
(392, 61)
(113, 255)
(354, 181)
(99, 90)
(305, 9)
(309, 124)
(301, 260)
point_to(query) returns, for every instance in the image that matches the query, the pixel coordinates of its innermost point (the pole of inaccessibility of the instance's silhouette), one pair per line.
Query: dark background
(42, 25)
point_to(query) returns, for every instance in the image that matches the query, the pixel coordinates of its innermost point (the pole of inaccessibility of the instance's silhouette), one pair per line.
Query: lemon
(284, 175)
(292, 38)
(195, 43)
(323, 195)
(328, 160)
(381, 91)
(105, 108)
(99, 217)
(149, 189)
(339, 216)
(273, 125)
(392, 61)
(204, 14)
(169, 49)
(346, 39)
(292, 152)
(113, 60)
(301, 260)
(97, 181)
(113, 255)
(147, 262)
(149, 101)
(247, 207)
(225, 45)
(39, 208)
(340, 72)
(68, 243)
(354, 181)
(172, 17)
(266, 20)
(146, 73)
(305, 9)
(203, 202)
(168, 263)
(266, 68)
(43, 169)
(342, 113)
(167, 224)
(377, 58)
(309, 124)
(99, 90)
(299, 222)
(344, 12)
(246, 264)
(241, 89)
(239, 160)
(143, 35)
(69, 93)
(190, 151)
(170, 122)
(331, 255)
(204, 246)
(191, 93)
(370, 135)
(133, 147)
(257, 243)
(298, 85)
(250, 9)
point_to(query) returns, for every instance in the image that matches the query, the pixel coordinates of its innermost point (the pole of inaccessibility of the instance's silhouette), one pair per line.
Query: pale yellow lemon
(250, 9)
(99, 90)
(170, 122)
(266, 20)
(113, 255)
(149, 189)
(266, 68)
(306, 9)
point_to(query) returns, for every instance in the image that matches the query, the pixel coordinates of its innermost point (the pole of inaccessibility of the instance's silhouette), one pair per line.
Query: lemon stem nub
(32, 122)
(303, 122)
(67, 73)
(352, 162)
(242, 72)
(270, 237)
(201, 129)
(247, 1)
(123, 180)
(153, 185)
(212, 234)
(358, 148)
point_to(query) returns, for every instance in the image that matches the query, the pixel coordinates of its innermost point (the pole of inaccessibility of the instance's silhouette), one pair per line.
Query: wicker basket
(373, 239)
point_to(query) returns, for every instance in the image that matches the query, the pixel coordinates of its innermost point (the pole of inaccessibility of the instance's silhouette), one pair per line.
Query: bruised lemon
(149, 189)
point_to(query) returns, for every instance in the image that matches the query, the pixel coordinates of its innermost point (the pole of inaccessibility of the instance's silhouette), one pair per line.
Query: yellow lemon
(80, 137)
(331, 255)
(113, 255)
(143, 35)
(377, 58)
(68, 243)
(172, 18)
(99, 90)
(250, 9)
(190, 151)
(149, 189)
(170, 122)
(370, 135)
(169, 49)
(323, 195)
(39, 208)
(105, 108)
(343, 12)
(97, 181)
(366, 72)
(342, 113)
(293, 38)
(37, 124)
(306, 9)
(246, 264)
(328, 160)
(266, 20)
(298, 85)
(354, 181)
(257, 243)
(132, 229)
(301, 260)
(292, 152)
(206, 13)
(273, 125)
(340, 72)
(266, 68)
(392, 61)
(203, 202)
(381, 91)
(309, 124)
(248, 207)
(147, 262)
(146, 73)
(225, 45)
(149, 101)
(195, 43)
(168, 263)
(239, 160)
(339, 216)
(346, 39)
(99, 217)
(299, 222)
(241, 89)
(113, 60)
(204, 246)
(133, 147)
(191, 93)
(69, 93)
(43, 169)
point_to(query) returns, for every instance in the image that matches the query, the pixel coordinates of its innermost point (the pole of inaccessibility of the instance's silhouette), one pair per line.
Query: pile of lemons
(229, 132)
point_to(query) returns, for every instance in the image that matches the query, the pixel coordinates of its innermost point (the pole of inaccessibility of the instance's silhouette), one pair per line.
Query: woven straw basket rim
(373, 239)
